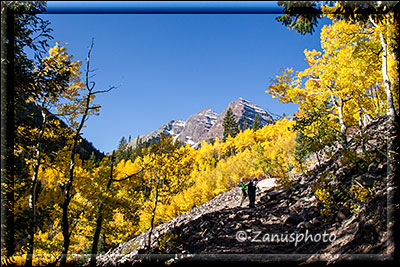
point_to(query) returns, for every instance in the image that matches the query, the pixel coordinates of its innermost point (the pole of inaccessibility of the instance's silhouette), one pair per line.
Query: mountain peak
(245, 112)
(240, 99)
(207, 124)
(197, 125)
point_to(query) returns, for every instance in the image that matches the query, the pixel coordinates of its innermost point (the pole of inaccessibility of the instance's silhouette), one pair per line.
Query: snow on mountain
(249, 112)
(245, 112)
(207, 124)
(173, 128)
(197, 125)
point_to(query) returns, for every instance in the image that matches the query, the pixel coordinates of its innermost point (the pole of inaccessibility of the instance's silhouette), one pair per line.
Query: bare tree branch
(93, 70)
(105, 91)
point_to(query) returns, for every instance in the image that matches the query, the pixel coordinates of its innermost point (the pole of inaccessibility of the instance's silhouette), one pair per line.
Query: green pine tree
(122, 143)
(257, 124)
(120, 153)
(231, 126)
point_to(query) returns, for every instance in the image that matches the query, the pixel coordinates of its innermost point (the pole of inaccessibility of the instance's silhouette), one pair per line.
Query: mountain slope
(284, 225)
(207, 124)
(172, 127)
(129, 251)
(244, 111)
(196, 126)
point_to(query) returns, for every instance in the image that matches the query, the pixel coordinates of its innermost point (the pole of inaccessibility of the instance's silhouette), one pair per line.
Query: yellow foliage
(218, 167)
(361, 196)
(119, 228)
(326, 199)
(189, 177)
(345, 75)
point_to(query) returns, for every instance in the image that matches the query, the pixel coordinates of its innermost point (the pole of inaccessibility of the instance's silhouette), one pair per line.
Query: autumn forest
(59, 203)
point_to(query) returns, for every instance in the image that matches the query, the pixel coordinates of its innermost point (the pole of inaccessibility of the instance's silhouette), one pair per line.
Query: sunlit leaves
(59, 72)
(189, 177)
(343, 80)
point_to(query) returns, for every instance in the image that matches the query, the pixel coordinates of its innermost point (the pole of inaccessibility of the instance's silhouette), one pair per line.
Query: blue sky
(170, 66)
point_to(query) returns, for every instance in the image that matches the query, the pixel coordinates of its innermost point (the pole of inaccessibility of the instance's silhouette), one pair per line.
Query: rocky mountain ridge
(207, 124)
(285, 225)
(196, 126)
(245, 113)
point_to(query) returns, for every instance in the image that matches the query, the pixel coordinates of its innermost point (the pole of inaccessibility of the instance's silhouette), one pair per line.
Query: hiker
(251, 190)
(242, 185)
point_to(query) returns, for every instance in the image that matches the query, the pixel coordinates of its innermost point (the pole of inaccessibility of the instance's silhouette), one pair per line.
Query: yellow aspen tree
(382, 24)
(166, 174)
(59, 72)
(84, 109)
(336, 76)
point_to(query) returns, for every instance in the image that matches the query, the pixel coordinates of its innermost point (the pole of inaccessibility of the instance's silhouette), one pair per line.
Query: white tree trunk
(153, 214)
(33, 192)
(391, 112)
(386, 81)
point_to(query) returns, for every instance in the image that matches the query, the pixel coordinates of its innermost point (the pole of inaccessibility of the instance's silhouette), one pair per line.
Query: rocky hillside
(207, 124)
(286, 225)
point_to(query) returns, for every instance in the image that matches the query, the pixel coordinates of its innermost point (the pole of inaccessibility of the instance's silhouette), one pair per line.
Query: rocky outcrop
(285, 225)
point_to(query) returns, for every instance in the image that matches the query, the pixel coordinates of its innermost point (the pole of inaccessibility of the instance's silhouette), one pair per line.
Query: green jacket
(243, 186)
